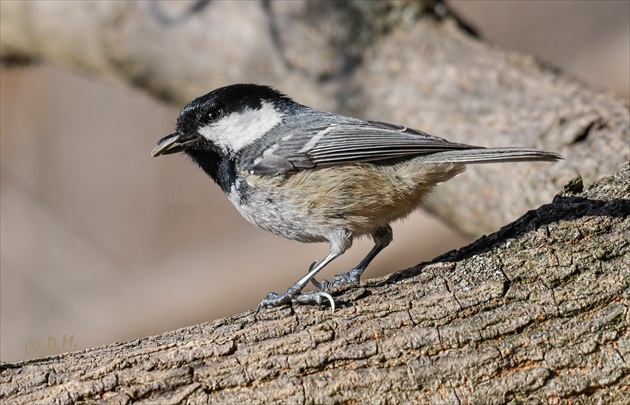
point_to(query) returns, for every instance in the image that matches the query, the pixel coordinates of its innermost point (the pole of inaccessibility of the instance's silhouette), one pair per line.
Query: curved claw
(350, 277)
(320, 286)
(316, 297)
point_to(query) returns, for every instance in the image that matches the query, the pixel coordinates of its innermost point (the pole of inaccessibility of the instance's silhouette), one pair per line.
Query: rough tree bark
(537, 312)
(390, 61)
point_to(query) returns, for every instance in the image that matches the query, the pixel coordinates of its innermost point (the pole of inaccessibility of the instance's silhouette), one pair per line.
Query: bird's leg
(382, 237)
(294, 293)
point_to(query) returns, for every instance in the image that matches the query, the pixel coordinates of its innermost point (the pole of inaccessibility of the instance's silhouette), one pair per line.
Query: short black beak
(173, 143)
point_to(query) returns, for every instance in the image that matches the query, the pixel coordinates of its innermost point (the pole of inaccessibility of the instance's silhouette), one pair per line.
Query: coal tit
(315, 176)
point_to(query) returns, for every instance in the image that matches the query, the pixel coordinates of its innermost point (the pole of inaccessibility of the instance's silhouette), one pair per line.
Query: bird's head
(225, 120)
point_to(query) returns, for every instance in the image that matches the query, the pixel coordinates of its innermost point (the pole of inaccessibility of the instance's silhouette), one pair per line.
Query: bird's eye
(214, 114)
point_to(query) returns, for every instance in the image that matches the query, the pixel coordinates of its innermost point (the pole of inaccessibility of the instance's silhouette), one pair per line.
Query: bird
(314, 176)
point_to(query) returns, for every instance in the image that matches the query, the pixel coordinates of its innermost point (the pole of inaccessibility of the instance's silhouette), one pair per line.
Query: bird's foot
(296, 296)
(350, 277)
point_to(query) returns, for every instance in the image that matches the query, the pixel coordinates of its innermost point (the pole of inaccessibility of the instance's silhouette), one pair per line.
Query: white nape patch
(313, 141)
(237, 130)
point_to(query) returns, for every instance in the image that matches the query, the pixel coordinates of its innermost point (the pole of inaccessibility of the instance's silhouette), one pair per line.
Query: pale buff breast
(308, 205)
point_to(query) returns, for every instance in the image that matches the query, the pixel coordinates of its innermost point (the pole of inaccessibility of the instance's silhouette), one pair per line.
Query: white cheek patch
(237, 130)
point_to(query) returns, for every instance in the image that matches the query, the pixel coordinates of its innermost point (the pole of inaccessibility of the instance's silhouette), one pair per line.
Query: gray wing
(345, 143)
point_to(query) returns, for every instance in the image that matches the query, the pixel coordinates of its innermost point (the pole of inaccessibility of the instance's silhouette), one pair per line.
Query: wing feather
(360, 141)
(347, 140)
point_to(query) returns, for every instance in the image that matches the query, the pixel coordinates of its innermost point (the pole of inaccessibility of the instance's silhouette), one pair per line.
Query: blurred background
(101, 243)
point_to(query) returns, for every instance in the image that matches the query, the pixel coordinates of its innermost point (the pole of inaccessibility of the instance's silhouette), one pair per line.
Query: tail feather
(492, 155)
